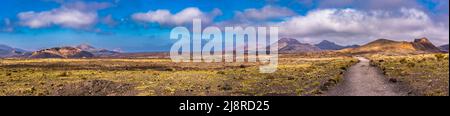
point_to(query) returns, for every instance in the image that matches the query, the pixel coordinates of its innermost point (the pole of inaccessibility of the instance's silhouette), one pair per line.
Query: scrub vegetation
(160, 77)
(424, 75)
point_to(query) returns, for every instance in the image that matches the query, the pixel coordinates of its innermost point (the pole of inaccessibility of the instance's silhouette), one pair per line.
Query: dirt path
(364, 80)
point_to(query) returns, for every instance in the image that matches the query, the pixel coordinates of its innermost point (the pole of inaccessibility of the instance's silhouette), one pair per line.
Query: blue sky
(144, 25)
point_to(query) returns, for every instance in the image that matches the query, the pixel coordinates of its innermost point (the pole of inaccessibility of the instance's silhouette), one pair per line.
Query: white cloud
(70, 18)
(71, 15)
(165, 17)
(342, 25)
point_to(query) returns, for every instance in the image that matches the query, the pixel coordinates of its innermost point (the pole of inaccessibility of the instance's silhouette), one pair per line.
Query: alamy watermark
(249, 44)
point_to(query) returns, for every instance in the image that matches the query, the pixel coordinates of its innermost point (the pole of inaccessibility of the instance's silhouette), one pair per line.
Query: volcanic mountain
(423, 44)
(327, 45)
(390, 47)
(289, 45)
(96, 51)
(7, 51)
(61, 52)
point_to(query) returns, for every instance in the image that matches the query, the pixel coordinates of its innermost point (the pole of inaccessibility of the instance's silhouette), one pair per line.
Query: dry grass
(161, 77)
(426, 74)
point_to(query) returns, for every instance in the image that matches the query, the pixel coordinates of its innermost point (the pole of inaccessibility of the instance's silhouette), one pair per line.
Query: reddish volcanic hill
(61, 52)
(390, 47)
(424, 44)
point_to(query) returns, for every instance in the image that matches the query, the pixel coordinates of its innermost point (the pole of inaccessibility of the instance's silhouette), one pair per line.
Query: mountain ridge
(96, 51)
(391, 47)
(444, 47)
(328, 45)
(290, 45)
(8, 51)
(61, 52)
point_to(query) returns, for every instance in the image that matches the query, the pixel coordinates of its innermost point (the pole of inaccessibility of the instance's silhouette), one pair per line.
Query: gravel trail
(362, 79)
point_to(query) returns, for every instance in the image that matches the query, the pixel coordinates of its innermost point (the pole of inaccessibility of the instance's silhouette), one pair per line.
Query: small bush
(64, 74)
(439, 56)
(221, 72)
(343, 68)
(403, 60)
(226, 87)
(411, 64)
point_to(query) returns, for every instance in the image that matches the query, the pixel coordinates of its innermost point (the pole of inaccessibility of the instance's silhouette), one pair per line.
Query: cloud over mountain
(342, 25)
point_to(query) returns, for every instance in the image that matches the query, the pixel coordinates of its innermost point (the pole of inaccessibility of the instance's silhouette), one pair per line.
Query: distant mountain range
(444, 48)
(327, 45)
(285, 45)
(390, 47)
(289, 45)
(7, 51)
(80, 51)
(380, 46)
(95, 51)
